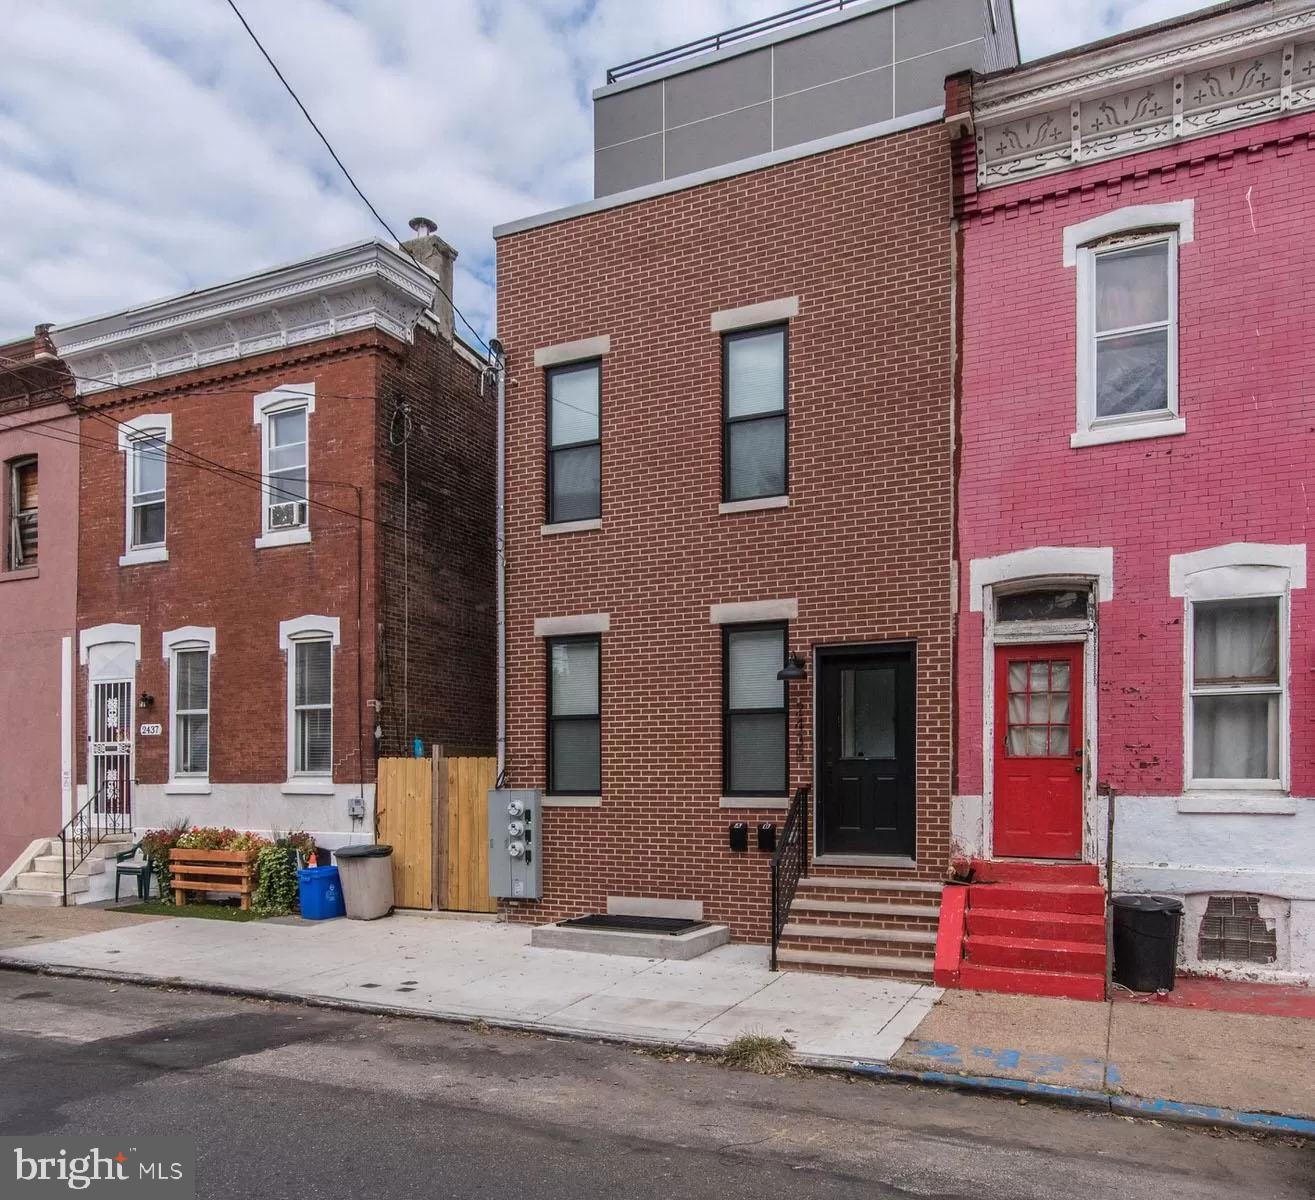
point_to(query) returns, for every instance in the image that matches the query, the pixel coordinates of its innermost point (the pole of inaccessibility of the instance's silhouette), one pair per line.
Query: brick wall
(1240, 473)
(447, 509)
(861, 236)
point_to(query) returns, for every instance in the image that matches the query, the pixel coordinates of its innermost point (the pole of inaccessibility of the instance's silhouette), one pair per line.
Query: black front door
(865, 802)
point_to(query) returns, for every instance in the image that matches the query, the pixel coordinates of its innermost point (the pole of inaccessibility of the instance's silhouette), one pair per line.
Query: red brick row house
(284, 543)
(729, 488)
(1133, 518)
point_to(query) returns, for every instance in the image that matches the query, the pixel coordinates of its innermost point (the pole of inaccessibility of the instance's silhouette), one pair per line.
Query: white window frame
(1084, 243)
(1239, 571)
(284, 398)
(132, 432)
(174, 642)
(298, 631)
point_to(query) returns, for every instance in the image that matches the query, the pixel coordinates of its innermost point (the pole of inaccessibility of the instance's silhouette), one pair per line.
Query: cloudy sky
(146, 148)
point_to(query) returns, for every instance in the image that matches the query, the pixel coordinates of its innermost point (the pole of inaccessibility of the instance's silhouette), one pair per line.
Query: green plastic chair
(141, 871)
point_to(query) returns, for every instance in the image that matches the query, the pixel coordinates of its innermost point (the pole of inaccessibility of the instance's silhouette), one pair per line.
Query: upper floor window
(574, 442)
(283, 416)
(574, 716)
(754, 396)
(21, 546)
(144, 441)
(1127, 280)
(1237, 691)
(754, 714)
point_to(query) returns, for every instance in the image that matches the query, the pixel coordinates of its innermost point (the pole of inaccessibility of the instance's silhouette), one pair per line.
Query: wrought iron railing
(727, 37)
(85, 831)
(789, 864)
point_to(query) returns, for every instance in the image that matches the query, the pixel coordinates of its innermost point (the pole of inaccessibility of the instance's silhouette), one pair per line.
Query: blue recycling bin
(321, 893)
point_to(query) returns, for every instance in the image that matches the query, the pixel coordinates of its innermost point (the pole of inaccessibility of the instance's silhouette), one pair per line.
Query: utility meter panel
(515, 863)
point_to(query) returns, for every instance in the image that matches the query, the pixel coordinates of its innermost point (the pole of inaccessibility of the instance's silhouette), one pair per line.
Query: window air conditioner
(289, 515)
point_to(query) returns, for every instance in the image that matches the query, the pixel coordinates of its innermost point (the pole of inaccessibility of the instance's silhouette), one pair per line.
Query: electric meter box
(515, 861)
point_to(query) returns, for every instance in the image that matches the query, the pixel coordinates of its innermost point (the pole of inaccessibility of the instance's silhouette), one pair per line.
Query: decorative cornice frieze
(364, 286)
(1189, 79)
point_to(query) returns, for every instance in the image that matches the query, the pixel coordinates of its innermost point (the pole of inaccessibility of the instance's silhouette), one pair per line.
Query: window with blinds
(574, 717)
(286, 459)
(754, 414)
(754, 711)
(146, 478)
(575, 447)
(312, 706)
(21, 546)
(192, 712)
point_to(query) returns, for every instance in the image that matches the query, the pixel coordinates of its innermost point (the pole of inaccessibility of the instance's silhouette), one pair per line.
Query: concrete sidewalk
(427, 966)
(1225, 1060)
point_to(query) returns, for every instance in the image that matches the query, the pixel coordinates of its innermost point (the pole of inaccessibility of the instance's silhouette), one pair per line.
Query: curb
(1118, 1104)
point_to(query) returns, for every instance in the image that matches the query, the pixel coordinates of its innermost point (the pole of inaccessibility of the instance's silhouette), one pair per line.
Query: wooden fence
(434, 813)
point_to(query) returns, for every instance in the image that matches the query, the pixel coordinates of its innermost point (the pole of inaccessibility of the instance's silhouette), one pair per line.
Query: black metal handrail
(789, 864)
(727, 37)
(87, 828)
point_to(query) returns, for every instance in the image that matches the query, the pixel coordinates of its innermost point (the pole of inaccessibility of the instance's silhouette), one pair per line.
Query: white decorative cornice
(368, 285)
(1177, 82)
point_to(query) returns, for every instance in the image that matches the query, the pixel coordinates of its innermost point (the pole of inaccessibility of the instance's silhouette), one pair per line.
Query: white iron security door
(111, 745)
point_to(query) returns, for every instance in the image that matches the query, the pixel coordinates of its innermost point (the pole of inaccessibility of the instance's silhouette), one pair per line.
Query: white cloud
(146, 148)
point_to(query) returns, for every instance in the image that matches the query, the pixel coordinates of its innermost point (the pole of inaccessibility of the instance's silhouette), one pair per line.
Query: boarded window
(1233, 930)
(22, 541)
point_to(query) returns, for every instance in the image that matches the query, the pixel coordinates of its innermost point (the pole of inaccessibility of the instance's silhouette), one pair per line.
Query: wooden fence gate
(434, 814)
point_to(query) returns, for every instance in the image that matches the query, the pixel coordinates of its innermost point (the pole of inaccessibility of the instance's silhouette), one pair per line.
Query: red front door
(1038, 751)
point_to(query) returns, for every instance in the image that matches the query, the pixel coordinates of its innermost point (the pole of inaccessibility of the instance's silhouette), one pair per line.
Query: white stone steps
(853, 933)
(45, 881)
(880, 964)
(867, 908)
(864, 883)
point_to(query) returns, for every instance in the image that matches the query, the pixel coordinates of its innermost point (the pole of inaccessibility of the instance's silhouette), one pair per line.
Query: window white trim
(286, 397)
(750, 611)
(1239, 571)
(584, 526)
(769, 312)
(309, 628)
(1171, 224)
(550, 627)
(756, 505)
(131, 431)
(569, 352)
(105, 635)
(172, 641)
(1042, 562)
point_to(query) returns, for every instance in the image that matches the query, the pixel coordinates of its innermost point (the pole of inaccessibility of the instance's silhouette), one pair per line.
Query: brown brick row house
(285, 542)
(729, 453)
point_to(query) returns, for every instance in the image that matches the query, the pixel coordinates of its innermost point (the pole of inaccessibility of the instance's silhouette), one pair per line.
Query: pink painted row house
(1135, 631)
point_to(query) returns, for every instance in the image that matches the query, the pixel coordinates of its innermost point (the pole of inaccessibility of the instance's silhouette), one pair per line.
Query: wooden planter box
(212, 871)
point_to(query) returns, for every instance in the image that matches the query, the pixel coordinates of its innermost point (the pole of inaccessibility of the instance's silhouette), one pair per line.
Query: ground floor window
(313, 707)
(574, 716)
(191, 702)
(754, 715)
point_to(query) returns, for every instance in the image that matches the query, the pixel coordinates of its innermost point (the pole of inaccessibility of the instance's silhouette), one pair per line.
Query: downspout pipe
(500, 371)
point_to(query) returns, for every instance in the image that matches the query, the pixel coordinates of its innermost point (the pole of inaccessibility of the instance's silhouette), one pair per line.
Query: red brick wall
(216, 576)
(449, 663)
(861, 235)
(1240, 473)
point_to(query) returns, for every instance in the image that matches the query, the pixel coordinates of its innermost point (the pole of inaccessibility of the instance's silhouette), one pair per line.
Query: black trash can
(1146, 941)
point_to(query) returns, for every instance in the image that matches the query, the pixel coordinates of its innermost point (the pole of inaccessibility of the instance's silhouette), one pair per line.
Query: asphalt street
(284, 1101)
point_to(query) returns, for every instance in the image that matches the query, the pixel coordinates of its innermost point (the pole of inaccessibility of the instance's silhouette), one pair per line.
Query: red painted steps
(1028, 928)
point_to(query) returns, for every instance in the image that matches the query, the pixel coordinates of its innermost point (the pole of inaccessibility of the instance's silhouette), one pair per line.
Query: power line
(342, 167)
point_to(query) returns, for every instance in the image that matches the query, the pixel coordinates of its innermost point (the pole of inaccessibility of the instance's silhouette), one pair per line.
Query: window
(146, 481)
(285, 469)
(1233, 930)
(1236, 706)
(21, 547)
(574, 442)
(574, 717)
(191, 707)
(1133, 329)
(754, 711)
(754, 390)
(312, 706)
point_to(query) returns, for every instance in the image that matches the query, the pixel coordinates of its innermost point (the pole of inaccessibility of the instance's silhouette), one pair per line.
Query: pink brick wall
(1242, 472)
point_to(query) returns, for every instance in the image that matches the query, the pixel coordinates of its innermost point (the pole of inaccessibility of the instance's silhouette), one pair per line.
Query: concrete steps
(41, 884)
(880, 966)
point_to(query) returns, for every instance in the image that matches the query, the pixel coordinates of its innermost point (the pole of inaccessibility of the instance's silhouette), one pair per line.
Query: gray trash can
(367, 880)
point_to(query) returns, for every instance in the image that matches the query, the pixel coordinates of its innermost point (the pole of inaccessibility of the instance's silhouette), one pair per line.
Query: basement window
(1233, 930)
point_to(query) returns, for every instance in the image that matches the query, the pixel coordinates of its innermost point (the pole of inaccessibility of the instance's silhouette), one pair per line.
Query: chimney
(437, 257)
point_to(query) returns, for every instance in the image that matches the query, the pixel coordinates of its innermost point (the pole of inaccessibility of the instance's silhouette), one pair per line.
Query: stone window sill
(283, 537)
(307, 787)
(755, 505)
(21, 573)
(1132, 431)
(1263, 803)
(151, 554)
(573, 802)
(187, 787)
(571, 527)
(782, 802)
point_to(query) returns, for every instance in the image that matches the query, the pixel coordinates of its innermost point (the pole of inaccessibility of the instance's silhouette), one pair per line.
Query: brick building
(729, 452)
(1136, 447)
(38, 590)
(285, 542)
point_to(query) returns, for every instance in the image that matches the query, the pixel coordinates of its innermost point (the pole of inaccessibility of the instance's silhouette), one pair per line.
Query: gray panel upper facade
(865, 64)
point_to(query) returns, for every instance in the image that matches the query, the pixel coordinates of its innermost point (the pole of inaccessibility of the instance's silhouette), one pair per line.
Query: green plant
(276, 881)
(759, 1053)
(205, 837)
(156, 844)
